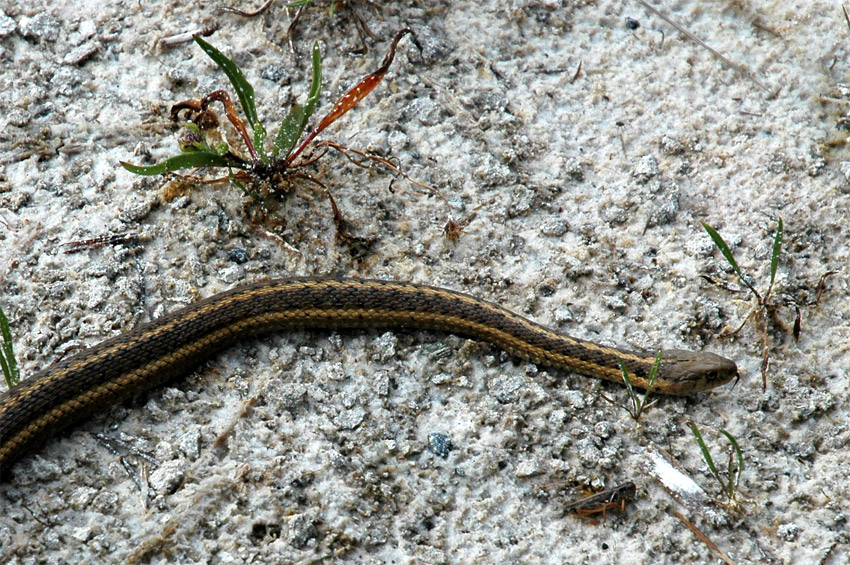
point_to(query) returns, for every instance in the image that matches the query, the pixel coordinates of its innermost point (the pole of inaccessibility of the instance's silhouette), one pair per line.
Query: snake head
(688, 372)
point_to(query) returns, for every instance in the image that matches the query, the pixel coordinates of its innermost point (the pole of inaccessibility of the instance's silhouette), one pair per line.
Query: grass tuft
(729, 485)
(637, 404)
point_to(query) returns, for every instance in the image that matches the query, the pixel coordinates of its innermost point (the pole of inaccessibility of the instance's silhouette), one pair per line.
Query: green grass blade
(653, 374)
(290, 131)
(188, 160)
(632, 394)
(316, 84)
(7, 373)
(8, 363)
(740, 457)
(777, 251)
(244, 90)
(293, 125)
(299, 3)
(723, 247)
(705, 454)
(238, 184)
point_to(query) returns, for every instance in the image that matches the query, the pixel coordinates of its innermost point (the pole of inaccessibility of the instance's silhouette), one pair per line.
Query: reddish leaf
(351, 98)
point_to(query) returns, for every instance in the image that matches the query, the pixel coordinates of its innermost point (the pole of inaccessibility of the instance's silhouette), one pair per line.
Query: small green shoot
(197, 149)
(774, 259)
(735, 467)
(191, 159)
(244, 90)
(261, 174)
(638, 405)
(293, 125)
(765, 309)
(8, 363)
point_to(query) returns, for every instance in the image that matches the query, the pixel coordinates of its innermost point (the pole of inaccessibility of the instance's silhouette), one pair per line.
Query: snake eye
(712, 375)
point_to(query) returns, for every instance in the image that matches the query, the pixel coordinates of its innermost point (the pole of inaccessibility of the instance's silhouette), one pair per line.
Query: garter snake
(165, 348)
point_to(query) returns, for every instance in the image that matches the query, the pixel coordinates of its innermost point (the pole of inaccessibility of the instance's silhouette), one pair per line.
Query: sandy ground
(581, 142)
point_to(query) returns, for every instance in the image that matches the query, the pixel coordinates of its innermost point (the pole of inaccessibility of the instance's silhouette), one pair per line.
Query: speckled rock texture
(579, 144)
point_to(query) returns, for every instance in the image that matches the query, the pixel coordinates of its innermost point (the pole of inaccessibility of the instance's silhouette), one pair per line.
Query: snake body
(173, 345)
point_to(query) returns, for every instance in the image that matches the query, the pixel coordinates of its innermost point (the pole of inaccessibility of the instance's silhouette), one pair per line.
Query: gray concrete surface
(583, 156)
